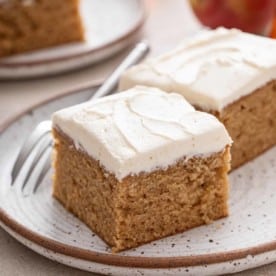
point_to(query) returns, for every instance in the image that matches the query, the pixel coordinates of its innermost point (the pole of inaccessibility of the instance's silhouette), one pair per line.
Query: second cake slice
(228, 73)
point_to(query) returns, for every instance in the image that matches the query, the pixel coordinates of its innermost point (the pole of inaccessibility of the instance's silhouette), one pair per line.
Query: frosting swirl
(140, 130)
(210, 70)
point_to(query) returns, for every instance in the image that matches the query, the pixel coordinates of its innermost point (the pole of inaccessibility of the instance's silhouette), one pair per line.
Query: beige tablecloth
(169, 21)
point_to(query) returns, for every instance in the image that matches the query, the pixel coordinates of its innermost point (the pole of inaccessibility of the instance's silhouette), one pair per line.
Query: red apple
(253, 16)
(273, 31)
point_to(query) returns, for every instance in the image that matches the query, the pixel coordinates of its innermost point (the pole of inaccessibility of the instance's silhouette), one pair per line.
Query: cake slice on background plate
(228, 73)
(27, 25)
(140, 165)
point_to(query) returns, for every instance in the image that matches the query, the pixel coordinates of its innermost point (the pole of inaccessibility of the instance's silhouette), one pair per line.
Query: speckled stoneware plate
(110, 26)
(244, 240)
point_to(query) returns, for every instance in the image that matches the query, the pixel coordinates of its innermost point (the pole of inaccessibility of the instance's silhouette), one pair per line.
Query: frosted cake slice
(228, 73)
(27, 25)
(140, 165)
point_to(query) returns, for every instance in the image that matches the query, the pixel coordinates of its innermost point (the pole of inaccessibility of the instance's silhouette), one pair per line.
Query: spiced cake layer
(140, 165)
(27, 25)
(228, 73)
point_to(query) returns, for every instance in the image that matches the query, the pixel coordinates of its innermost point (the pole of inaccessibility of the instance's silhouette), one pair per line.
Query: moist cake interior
(144, 207)
(31, 25)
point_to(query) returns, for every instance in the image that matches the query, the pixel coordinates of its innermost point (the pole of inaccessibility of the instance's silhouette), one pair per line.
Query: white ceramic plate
(245, 240)
(110, 26)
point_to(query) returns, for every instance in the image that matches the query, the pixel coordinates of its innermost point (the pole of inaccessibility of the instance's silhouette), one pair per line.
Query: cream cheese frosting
(140, 130)
(212, 69)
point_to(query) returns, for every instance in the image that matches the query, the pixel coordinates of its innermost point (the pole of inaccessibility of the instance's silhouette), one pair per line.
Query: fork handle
(139, 51)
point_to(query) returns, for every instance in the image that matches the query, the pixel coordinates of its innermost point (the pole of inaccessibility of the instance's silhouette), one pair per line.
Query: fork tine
(47, 141)
(45, 169)
(39, 132)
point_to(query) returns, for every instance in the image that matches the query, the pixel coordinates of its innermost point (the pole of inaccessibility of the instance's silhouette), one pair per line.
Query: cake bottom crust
(140, 208)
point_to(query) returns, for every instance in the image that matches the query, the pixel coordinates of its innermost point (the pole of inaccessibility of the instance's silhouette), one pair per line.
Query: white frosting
(212, 69)
(140, 130)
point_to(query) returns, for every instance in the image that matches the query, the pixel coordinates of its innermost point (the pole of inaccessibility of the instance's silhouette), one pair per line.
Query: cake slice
(227, 73)
(140, 165)
(27, 25)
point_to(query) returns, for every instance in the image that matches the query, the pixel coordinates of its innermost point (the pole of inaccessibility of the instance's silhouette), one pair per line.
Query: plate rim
(132, 31)
(113, 259)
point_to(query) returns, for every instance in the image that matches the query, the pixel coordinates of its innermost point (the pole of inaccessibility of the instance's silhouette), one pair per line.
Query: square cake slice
(27, 25)
(140, 165)
(228, 73)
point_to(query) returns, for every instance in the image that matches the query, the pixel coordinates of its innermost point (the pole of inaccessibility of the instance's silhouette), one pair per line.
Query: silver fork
(39, 143)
